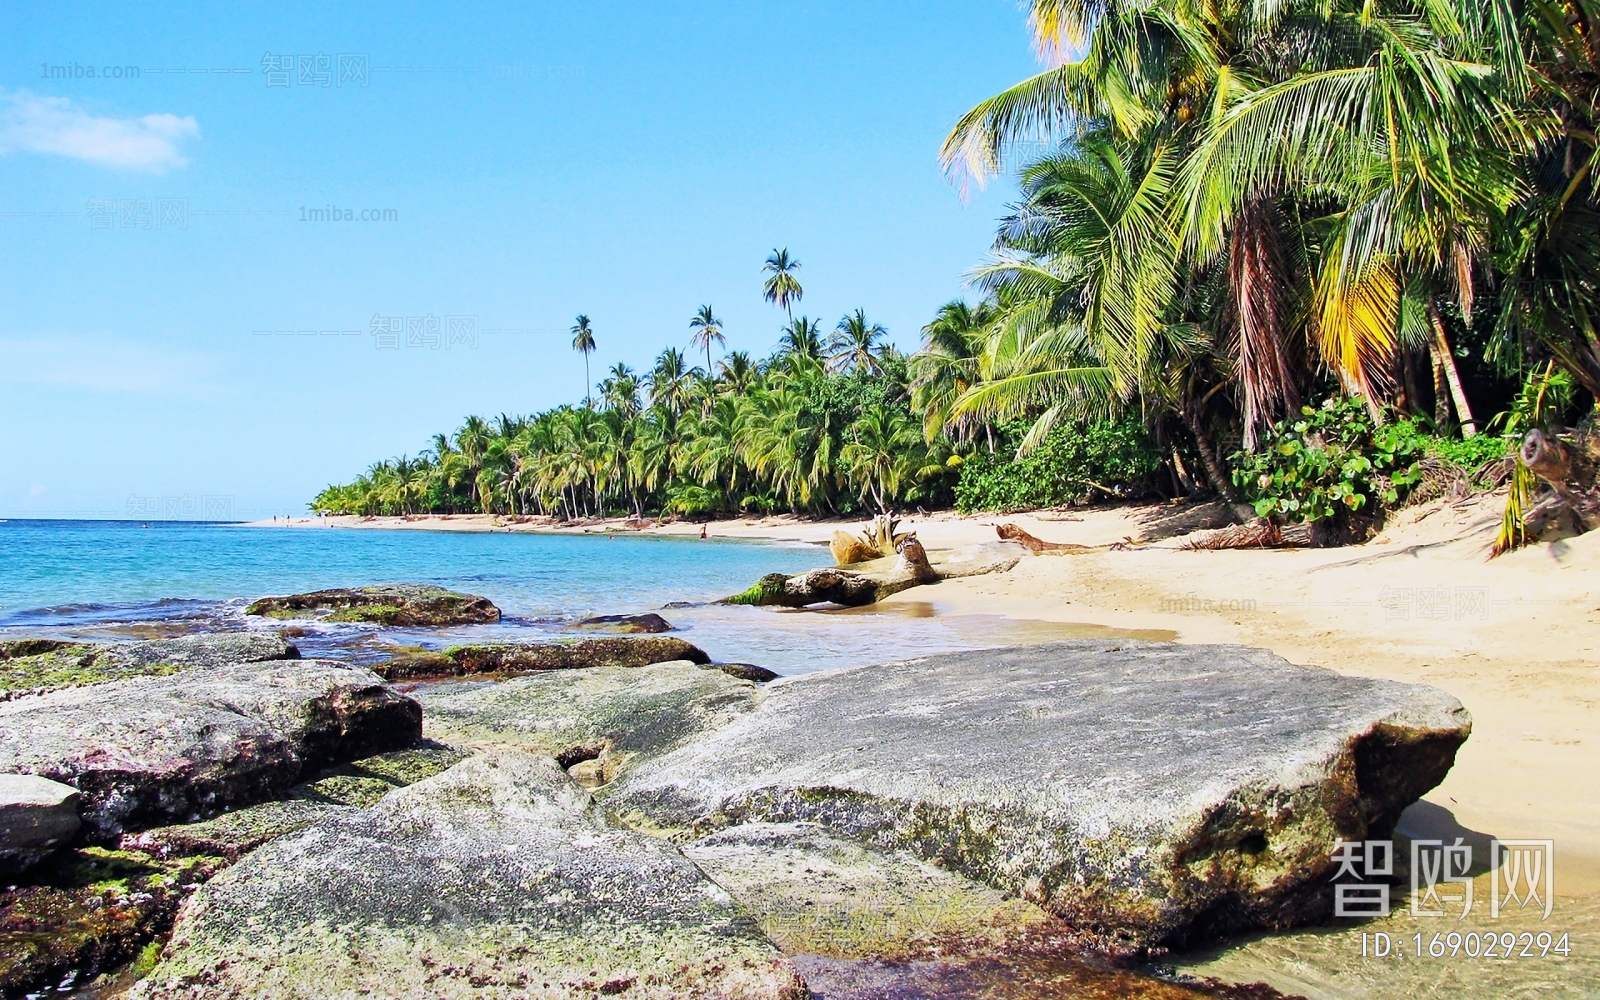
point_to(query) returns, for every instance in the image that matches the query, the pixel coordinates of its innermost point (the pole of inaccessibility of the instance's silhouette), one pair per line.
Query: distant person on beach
(702, 531)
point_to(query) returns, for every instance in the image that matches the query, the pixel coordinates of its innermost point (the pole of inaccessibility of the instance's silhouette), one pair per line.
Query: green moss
(764, 592)
(376, 614)
(344, 790)
(46, 665)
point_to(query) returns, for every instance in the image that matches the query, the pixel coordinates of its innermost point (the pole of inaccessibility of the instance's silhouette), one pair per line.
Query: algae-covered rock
(531, 657)
(744, 671)
(1147, 793)
(232, 834)
(404, 604)
(611, 715)
(493, 879)
(817, 894)
(37, 816)
(359, 783)
(87, 911)
(626, 624)
(34, 666)
(155, 750)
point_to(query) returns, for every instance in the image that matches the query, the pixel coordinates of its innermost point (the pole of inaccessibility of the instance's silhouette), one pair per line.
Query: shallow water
(117, 579)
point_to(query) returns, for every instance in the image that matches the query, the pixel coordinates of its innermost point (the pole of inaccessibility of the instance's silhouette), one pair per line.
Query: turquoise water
(119, 566)
(115, 579)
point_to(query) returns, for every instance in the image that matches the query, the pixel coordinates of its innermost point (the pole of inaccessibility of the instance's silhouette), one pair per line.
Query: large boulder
(33, 666)
(405, 604)
(597, 721)
(1149, 794)
(494, 879)
(531, 657)
(157, 750)
(37, 816)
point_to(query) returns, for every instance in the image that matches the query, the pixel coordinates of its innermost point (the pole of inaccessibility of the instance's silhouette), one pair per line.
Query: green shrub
(1330, 462)
(1470, 454)
(1072, 464)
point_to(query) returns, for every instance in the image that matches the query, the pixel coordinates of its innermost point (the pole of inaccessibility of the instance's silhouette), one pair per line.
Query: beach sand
(1516, 639)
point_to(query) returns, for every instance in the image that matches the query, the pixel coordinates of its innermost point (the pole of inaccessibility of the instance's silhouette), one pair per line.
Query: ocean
(108, 580)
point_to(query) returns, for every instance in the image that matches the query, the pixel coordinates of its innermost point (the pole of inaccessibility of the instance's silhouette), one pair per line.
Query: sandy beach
(1516, 639)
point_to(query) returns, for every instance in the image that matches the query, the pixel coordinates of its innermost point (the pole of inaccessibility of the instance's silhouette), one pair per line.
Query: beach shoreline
(1516, 639)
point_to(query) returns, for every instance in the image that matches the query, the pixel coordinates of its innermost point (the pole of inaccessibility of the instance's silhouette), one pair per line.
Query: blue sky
(174, 335)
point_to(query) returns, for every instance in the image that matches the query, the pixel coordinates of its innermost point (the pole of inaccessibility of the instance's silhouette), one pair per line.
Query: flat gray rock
(158, 750)
(36, 817)
(607, 718)
(494, 879)
(1150, 794)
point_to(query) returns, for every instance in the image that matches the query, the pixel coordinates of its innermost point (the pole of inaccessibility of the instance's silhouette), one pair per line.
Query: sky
(181, 335)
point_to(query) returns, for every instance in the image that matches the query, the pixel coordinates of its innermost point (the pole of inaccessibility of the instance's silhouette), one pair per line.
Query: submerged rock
(495, 878)
(37, 816)
(532, 657)
(627, 624)
(404, 604)
(155, 750)
(607, 717)
(1149, 794)
(34, 666)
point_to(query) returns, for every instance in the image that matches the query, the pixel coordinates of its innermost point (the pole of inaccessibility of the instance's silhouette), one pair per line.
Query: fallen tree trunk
(1013, 533)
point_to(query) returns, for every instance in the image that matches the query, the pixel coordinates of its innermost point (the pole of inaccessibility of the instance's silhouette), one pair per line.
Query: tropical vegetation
(1257, 235)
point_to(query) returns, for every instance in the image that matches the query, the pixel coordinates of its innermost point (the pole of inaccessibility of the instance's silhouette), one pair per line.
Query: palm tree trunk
(1208, 456)
(1444, 358)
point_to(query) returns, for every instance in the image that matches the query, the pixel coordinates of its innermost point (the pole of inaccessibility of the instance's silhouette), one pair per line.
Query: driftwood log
(842, 586)
(1013, 533)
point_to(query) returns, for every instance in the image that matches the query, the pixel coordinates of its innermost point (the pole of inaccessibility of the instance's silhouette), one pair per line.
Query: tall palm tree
(583, 341)
(854, 342)
(782, 286)
(707, 328)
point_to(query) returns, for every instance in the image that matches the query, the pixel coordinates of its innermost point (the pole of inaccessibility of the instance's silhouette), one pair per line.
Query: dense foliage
(1076, 462)
(1329, 462)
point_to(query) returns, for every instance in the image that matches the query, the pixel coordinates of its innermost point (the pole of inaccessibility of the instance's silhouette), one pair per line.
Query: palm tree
(948, 365)
(853, 342)
(737, 372)
(583, 341)
(802, 338)
(671, 381)
(782, 286)
(707, 328)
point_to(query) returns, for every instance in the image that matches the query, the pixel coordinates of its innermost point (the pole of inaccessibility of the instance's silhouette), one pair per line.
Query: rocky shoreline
(622, 816)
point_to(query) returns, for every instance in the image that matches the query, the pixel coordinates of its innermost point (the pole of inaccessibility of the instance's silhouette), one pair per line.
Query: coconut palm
(707, 328)
(854, 342)
(583, 342)
(782, 286)
(802, 338)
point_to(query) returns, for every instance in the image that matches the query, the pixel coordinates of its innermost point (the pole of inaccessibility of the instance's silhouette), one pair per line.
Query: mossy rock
(35, 666)
(408, 605)
(89, 911)
(537, 657)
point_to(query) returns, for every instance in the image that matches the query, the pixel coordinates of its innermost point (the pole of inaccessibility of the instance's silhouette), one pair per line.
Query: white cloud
(36, 124)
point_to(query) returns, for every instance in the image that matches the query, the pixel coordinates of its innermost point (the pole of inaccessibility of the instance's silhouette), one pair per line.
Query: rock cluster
(163, 749)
